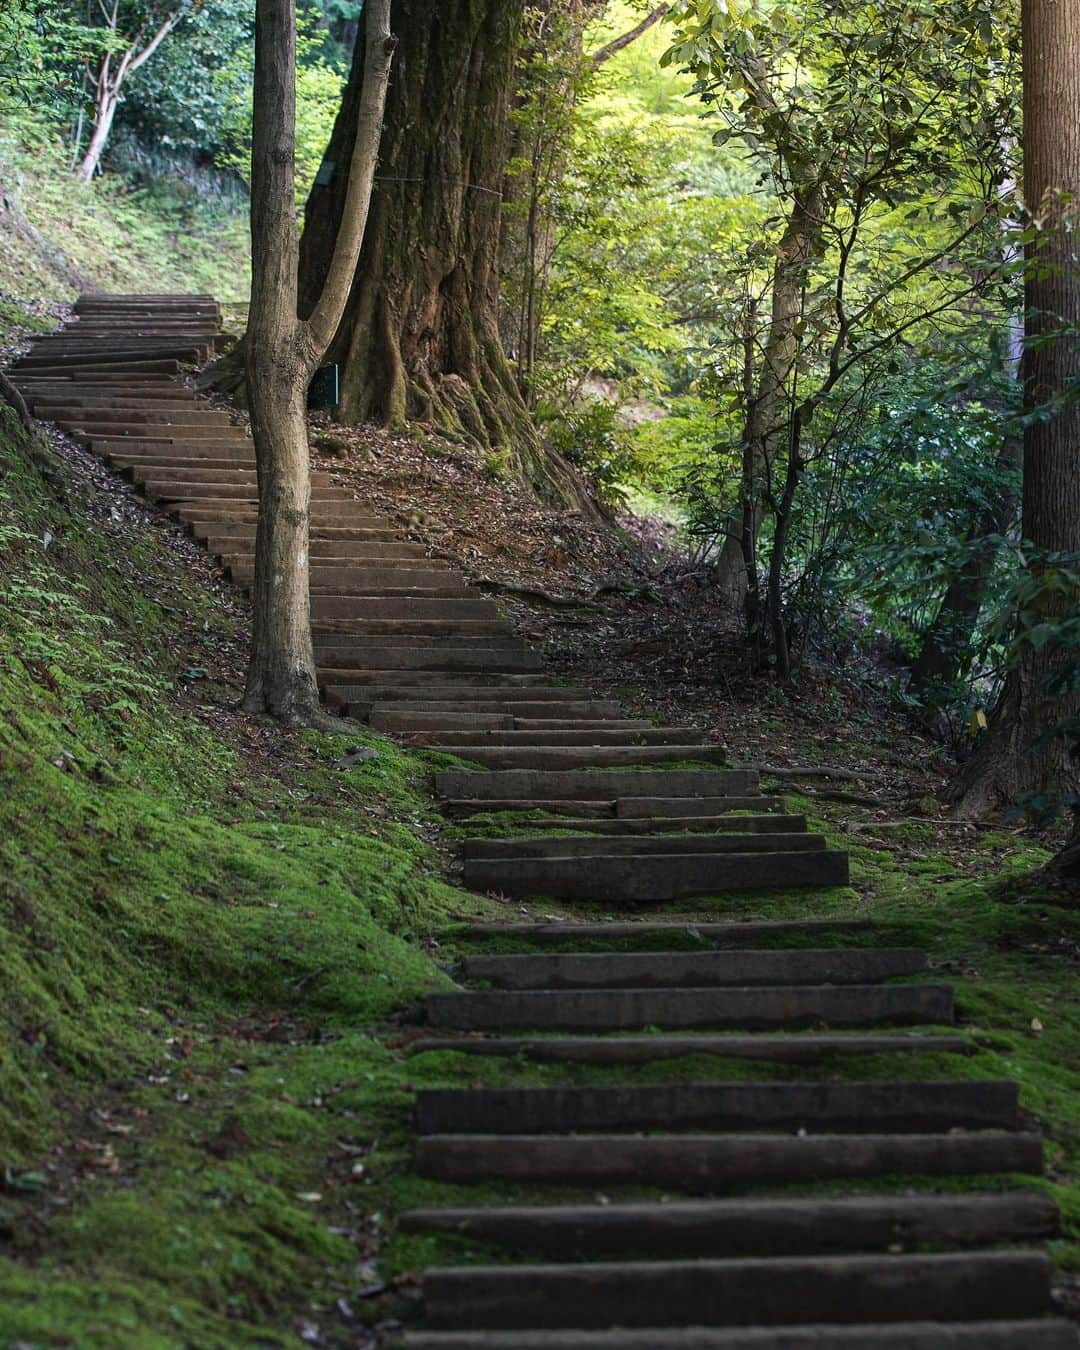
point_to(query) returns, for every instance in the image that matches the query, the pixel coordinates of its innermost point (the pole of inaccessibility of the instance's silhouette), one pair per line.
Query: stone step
(207, 447)
(367, 607)
(750, 1291)
(636, 735)
(706, 1163)
(720, 935)
(583, 757)
(593, 810)
(1002, 1335)
(382, 659)
(729, 1228)
(694, 970)
(351, 688)
(759, 1008)
(560, 846)
(165, 398)
(612, 1050)
(583, 785)
(657, 877)
(471, 723)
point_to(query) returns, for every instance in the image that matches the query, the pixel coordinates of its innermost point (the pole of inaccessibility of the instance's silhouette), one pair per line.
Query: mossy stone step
(830, 1108)
(470, 722)
(694, 970)
(757, 1008)
(555, 758)
(402, 630)
(383, 657)
(751, 1227)
(660, 876)
(611, 1050)
(1003, 1335)
(707, 1163)
(511, 707)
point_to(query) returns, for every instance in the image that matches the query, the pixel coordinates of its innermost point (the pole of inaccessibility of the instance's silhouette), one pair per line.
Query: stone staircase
(732, 1205)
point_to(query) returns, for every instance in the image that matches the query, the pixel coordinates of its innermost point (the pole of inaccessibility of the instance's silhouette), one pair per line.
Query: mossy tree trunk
(420, 337)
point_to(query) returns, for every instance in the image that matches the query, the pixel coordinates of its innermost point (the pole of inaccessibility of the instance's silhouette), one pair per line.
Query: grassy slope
(197, 931)
(58, 237)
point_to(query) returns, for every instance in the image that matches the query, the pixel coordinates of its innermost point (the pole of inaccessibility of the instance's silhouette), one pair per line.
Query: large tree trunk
(282, 351)
(1019, 753)
(420, 339)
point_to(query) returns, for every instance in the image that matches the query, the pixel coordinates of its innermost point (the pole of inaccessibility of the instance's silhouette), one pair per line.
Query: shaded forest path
(828, 1211)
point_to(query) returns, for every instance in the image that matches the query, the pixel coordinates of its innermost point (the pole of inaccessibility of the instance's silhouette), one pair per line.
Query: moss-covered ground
(214, 935)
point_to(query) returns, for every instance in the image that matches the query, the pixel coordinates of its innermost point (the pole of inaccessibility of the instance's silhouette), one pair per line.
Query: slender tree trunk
(769, 411)
(1019, 754)
(420, 340)
(283, 351)
(104, 113)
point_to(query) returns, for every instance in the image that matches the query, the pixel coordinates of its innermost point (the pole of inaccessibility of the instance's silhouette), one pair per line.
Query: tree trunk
(420, 338)
(105, 105)
(282, 351)
(768, 413)
(1019, 754)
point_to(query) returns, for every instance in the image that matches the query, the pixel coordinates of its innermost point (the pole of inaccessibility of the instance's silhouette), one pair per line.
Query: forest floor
(214, 934)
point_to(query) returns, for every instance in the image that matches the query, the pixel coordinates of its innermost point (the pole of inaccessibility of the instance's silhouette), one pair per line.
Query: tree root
(15, 400)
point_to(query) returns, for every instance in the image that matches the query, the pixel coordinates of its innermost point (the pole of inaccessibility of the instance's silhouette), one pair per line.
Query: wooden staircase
(726, 1228)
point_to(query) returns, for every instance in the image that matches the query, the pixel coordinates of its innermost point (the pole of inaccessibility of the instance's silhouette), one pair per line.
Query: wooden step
(610, 1050)
(683, 737)
(385, 658)
(581, 785)
(694, 970)
(725, 934)
(757, 1008)
(592, 810)
(751, 1227)
(367, 607)
(773, 822)
(704, 1164)
(657, 877)
(557, 758)
(559, 846)
(820, 1108)
(470, 722)
(902, 1288)
(1003, 1335)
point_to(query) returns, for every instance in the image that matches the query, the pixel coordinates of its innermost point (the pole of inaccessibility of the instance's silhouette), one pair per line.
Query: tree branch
(324, 320)
(155, 42)
(616, 45)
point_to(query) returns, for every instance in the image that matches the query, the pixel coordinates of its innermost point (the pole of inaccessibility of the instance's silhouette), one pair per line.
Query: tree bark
(1019, 754)
(283, 351)
(420, 338)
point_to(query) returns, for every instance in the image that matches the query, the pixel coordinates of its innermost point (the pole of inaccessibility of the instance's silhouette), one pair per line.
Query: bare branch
(616, 45)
